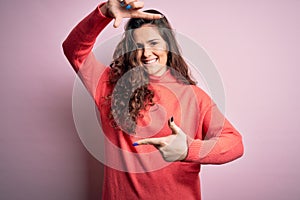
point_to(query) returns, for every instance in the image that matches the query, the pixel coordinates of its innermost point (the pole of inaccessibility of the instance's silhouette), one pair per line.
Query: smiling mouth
(154, 60)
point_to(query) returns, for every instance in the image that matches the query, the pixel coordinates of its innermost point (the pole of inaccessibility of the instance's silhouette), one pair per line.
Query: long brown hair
(132, 92)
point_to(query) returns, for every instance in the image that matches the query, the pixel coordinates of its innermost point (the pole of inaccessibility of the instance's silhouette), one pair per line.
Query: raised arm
(79, 43)
(78, 48)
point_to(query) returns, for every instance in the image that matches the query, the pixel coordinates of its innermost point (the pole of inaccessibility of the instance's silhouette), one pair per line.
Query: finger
(129, 1)
(127, 4)
(175, 129)
(136, 5)
(117, 21)
(150, 141)
(144, 15)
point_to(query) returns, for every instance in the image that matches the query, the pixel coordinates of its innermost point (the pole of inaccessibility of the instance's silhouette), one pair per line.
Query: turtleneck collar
(166, 77)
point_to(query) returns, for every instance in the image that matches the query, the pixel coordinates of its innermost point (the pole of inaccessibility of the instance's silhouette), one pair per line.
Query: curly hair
(132, 92)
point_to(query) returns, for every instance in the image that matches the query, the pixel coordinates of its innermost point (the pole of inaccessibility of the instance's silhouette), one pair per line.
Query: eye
(139, 46)
(153, 43)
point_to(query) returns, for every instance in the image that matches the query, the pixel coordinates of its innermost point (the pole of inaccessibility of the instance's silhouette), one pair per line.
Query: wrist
(103, 9)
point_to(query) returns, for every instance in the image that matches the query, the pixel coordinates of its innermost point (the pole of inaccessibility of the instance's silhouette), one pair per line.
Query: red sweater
(140, 172)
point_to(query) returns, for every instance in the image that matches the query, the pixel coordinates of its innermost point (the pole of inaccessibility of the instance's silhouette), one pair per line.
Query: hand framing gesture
(119, 9)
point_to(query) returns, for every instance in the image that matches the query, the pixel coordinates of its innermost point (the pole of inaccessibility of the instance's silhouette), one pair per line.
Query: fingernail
(172, 119)
(128, 7)
(135, 144)
(122, 3)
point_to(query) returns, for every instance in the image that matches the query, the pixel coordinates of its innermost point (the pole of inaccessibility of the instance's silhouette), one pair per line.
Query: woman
(164, 126)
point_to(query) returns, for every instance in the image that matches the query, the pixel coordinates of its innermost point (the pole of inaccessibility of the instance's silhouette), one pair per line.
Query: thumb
(175, 129)
(117, 22)
(151, 141)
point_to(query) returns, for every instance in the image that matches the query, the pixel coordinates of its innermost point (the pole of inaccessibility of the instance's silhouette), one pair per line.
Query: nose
(146, 52)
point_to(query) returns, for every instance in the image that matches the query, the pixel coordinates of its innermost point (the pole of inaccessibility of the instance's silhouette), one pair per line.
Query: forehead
(145, 33)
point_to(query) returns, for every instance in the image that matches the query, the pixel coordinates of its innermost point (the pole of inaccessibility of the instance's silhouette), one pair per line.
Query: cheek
(138, 55)
(163, 57)
(164, 54)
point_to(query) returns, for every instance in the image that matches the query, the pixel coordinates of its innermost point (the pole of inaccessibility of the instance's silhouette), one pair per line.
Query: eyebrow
(152, 40)
(149, 41)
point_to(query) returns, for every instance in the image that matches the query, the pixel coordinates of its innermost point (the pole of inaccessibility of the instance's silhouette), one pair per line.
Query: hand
(114, 9)
(173, 147)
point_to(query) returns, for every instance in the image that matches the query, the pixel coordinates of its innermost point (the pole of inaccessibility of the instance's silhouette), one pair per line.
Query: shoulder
(203, 98)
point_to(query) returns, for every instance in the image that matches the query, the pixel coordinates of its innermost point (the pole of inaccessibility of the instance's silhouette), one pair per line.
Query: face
(152, 49)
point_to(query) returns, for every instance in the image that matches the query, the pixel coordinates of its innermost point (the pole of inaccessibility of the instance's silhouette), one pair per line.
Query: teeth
(150, 61)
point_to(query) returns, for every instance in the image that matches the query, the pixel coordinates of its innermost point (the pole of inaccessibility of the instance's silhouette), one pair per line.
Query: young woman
(160, 127)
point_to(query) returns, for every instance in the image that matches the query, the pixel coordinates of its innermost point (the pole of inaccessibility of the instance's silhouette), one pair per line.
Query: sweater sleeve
(220, 142)
(78, 48)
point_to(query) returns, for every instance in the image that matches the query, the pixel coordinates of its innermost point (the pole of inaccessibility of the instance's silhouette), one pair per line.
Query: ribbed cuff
(193, 151)
(100, 13)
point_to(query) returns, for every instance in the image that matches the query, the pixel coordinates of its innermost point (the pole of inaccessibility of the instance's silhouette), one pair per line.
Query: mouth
(150, 61)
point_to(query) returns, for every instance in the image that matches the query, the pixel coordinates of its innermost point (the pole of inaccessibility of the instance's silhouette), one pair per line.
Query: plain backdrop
(254, 44)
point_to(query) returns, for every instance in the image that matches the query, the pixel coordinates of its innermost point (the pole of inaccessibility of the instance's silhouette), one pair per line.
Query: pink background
(254, 44)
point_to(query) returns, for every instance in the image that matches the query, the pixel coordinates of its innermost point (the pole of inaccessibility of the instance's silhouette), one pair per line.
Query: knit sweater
(140, 172)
